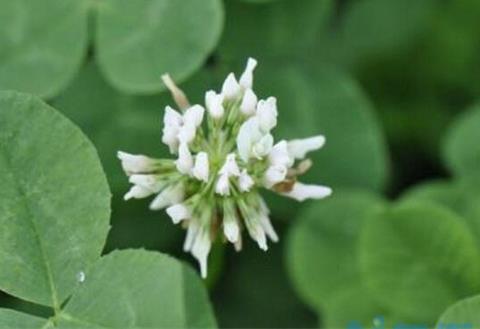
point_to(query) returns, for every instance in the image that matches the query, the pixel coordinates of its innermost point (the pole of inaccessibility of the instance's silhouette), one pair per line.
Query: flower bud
(246, 80)
(301, 192)
(230, 88)
(298, 148)
(184, 162)
(214, 104)
(194, 115)
(169, 196)
(249, 103)
(178, 212)
(245, 182)
(267, 114)
(136, 164)
(201, 170)
(274, 175)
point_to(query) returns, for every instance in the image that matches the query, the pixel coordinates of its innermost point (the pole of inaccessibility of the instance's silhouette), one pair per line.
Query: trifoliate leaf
(455, 195)
(138, 289)
(42, 44)
(138, 41)
(54, 201)
(419, 256)
(323, 259)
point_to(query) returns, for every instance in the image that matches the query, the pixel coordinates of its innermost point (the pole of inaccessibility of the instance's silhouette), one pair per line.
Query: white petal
(170, 196)
(268, 228)
(298, 148)
(178, 212)
(170, 138)
(201, 170)
(214, 104)
(249, 103)
(279, 155)
(267, 114)
(246, 80)
(201, 249)
(192, 232)
(258, 234)
(245, 182)
(231, 230)
(230, 167)
(137, 192)
(274, 175)
(263, 146)
(187, 132)
(222, 187)
(194, 115)
(136, 164)
(230, 88)
(185, 160)
(149, 182)
(248, 134)
(301, 192)
(172, 117)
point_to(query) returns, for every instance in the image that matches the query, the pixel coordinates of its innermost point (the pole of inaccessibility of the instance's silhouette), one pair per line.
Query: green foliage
(350, 69)
(54, 211)
(317, 101)
(277, 29)
(42, 44)
(461, 148)
(465, 313)
(159, 292)
(49, 189)
(139, 40)
(10, 319)
(373, 28)
(418, 255)
(323, 259)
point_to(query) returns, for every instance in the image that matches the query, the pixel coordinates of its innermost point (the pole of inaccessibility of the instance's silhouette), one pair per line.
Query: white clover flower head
(223, 155)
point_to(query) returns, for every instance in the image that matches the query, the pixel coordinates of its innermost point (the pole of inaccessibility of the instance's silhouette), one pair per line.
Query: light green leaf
(456, 195)
(463, 314)
(461, 151)
(42, 44)
(10, 319)
(419, 256)
(350, 306)
(279, 28)
(322, 254)
(138, 289)
(54, 201)
(138, 41)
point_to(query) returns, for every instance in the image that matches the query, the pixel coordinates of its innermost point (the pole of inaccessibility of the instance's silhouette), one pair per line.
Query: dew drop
(81, 276)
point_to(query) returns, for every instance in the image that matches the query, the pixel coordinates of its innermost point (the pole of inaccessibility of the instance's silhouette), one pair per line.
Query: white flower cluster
(223, 158)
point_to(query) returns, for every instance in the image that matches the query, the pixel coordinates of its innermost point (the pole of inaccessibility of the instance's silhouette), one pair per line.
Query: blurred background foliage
(393, 84)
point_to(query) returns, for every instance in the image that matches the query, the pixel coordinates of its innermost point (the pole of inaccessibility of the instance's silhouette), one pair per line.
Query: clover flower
(224, 155)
